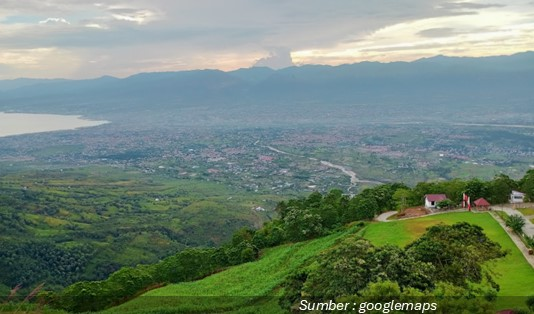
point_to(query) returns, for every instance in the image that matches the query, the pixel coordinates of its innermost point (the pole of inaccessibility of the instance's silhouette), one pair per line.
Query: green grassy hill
(239, 289)
(514, 273)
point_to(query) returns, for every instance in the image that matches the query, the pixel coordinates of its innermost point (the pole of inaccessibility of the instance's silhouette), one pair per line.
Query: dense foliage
(188, 265)
(431, 259)
(318, 214)
(446, 260)
(516, 223)
(456, 252)
(60, 227)
(33, 261)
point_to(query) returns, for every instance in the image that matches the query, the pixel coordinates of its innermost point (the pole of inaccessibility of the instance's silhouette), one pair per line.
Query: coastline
(12, 124)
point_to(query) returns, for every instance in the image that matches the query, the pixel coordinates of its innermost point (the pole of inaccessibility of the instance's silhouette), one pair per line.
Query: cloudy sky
(86, 39)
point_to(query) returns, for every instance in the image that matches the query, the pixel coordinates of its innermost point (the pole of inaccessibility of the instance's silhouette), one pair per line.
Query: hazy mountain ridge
(438, 80)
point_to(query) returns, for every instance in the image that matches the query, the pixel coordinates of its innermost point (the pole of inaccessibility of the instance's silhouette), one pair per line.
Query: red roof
(436, 197)
(481, 202)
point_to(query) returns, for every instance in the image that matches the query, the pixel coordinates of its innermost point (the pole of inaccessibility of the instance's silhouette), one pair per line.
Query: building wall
(429, 204)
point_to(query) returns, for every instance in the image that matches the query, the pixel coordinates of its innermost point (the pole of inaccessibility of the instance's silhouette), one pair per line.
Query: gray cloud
(119, 37)
(438, 32)
(448, 32)
(470, 5)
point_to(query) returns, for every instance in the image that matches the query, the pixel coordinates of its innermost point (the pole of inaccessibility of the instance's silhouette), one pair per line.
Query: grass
(251, 285)
(513, 273)
(526, 211)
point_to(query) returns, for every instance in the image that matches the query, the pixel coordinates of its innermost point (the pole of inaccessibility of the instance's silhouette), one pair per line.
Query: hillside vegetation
(250, 284)
(440, 260)
(244, 285)
(66, 225)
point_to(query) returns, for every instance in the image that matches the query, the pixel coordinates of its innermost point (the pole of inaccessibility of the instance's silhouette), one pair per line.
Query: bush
(530, 302)
(516, 222)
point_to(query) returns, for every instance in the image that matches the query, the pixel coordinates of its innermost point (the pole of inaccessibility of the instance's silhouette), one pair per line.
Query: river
(354, 180)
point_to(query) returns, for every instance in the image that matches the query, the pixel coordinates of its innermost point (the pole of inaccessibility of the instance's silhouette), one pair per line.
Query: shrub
(516, 222)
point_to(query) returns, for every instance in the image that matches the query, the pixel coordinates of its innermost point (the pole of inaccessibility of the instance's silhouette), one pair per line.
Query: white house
(432, 200)
(517, 197)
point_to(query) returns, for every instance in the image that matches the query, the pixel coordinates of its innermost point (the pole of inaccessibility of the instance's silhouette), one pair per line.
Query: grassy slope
(264, 276)
(514, 274)
(236, 286)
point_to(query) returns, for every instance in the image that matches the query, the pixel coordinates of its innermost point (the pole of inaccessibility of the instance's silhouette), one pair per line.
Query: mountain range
(435, 81)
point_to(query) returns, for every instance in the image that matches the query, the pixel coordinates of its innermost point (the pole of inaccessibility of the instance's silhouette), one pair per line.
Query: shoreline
(13, 124)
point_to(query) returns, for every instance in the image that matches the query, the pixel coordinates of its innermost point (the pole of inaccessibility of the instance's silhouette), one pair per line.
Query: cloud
(55, 20)
(118, 37)
(133, 15)
(438, 32)
(278, 58)
(37, 62)
(469, 5)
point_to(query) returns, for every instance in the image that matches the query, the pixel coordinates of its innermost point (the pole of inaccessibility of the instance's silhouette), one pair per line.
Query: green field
(526, 211)
(240, 286)
(513, 273)
(237, 287)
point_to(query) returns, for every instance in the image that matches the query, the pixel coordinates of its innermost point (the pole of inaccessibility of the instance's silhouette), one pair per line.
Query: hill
(241, 286)
(252, 287)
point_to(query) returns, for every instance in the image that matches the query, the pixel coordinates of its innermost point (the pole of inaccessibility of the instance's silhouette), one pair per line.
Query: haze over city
(86, 39)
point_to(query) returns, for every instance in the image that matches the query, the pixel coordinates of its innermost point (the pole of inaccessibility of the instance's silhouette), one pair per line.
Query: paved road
(384, 216)
(528, 229)
(515, 238)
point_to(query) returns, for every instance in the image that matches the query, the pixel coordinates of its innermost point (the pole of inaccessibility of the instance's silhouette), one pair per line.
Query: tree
(355, 262)
(302, 224)
(362, 207)
(530, 302)
(475, 189)
(516, 223)
(401, 197)
(242, 234)
(271, 234)
(527, 185)
(446, 203)
(453, 189)
(456, 252)
(420, 190)
(499, 189)
(343, 270)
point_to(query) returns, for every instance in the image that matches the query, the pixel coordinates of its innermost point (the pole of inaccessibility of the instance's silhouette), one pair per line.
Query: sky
(85, 39)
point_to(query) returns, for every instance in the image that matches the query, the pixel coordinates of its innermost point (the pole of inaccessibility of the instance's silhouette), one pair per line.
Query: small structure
(432, 200)
(481, 203)
(517, 197)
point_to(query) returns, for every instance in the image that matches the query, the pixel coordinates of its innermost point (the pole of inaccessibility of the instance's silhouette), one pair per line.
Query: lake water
(25, 123)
